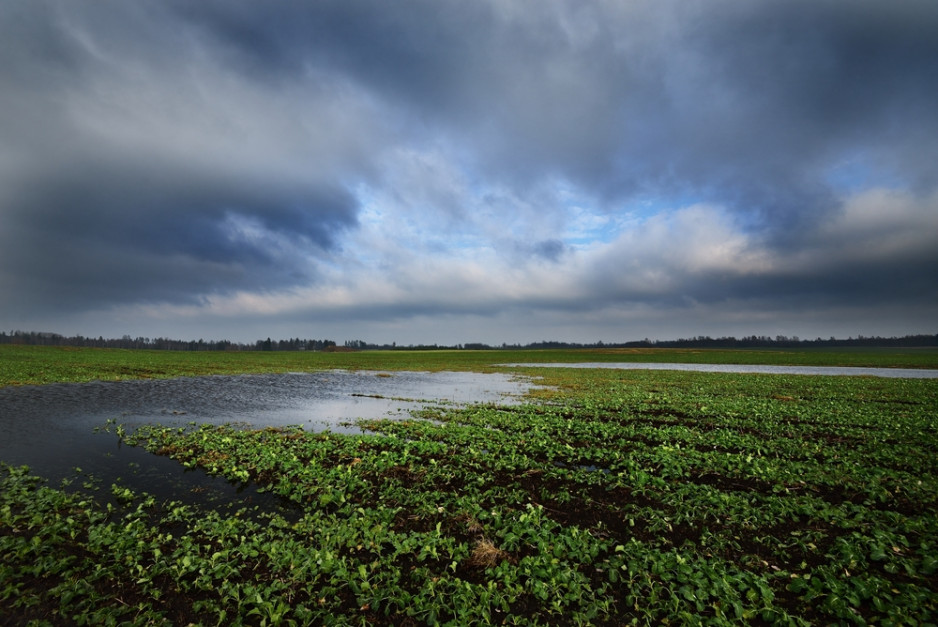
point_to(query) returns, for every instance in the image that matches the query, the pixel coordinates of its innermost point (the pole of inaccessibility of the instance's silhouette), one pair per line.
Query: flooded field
(70, 430)
(610, 496)
(889, 373)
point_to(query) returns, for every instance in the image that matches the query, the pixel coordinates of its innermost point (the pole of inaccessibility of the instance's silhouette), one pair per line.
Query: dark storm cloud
(95, 215)
(115, 235)
(810, 85)
(420, 51)
(512, 86)
(748, 104)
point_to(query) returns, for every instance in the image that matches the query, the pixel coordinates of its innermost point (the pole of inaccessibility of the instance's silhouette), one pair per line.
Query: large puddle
(891, 373)
(68, 430)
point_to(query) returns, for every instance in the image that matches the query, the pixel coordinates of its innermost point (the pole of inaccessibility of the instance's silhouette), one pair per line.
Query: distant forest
(33, 338)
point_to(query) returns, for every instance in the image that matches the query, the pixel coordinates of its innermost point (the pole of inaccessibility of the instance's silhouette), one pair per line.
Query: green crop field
(31, 365)
(608, 498)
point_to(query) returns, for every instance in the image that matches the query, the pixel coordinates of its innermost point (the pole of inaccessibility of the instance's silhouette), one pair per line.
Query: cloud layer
(487, 171)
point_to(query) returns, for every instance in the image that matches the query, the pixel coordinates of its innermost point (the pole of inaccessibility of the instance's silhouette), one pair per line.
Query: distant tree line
(34, 338)
(701, 341)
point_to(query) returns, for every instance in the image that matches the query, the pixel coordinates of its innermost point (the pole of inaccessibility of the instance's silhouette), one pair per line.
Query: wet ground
(892, 373)
(69, 430)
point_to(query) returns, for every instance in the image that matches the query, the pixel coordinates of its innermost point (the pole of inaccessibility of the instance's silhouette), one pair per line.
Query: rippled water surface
(57, 428)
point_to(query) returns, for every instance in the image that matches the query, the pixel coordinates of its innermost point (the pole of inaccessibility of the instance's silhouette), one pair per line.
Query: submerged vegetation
(609, 498)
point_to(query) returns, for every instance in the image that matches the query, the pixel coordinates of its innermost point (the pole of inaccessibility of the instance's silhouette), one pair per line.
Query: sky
(443, 171)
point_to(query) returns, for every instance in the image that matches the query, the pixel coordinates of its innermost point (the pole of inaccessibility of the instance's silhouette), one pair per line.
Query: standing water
(845, 371)
(68, 430)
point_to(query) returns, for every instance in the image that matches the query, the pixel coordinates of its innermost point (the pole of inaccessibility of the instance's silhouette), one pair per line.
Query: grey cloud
(747, 105)
(420, 51)
(809, 84)
(121, 211)
(551, 250)
(124, 210)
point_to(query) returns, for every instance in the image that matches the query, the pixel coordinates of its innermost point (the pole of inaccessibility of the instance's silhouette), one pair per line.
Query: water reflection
(62, 430)
(891, 373)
